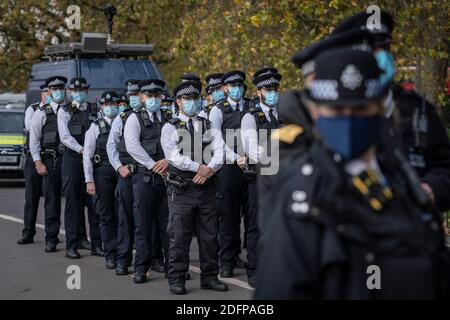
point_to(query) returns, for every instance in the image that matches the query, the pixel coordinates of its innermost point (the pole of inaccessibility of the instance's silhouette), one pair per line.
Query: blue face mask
(218, 95)
(236, 92)
(153, 104)
(48, 99)
(58, 96)
(349, 136)
(79, 96)
(271, 98)
(198, 103)
(190, 107)
(135, 102)
(110, 111)
(122, 108)
(386, 63)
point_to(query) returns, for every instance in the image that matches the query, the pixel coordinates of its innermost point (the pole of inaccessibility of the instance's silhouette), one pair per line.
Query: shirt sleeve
(169, 141)
(218, 157)
(249, 136)
(89, 150)
(113, 142)
(216, 118)
(28, 116)
(37, 122)
(64, 133)
(133, 145)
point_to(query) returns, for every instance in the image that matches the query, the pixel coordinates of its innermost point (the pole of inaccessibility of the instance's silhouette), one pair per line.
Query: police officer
(45, 150)
(225, 117)
(214, 91)
(191, 190)
(73, 122)
(422, 133)
(346, 205)
(142, 140)
(122, 162)
(100, 176)
(123, 103)
(33, 181)
(264, 116)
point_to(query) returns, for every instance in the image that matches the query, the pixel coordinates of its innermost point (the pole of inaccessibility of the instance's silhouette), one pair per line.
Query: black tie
(191, 126)
(237, 107)
(155, 117)
(272, 117)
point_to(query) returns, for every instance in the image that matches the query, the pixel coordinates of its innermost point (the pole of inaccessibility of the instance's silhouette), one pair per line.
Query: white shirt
(132, 134)
(63, 129)
(249, 134)
(28, 115)
(90, 140)
(216, 118)
(37, 122)
(113, 143)
(169, 142)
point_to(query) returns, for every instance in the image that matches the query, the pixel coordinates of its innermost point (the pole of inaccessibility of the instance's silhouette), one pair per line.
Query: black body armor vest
(50, 135)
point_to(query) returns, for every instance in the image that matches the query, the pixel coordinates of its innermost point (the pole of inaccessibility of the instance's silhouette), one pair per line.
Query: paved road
(27, 272)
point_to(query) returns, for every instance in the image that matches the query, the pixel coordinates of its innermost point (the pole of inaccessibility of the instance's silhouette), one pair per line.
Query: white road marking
(192, 268)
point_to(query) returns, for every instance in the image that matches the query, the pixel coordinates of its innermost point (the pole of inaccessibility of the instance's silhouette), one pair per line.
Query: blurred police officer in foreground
(122, 162)
(142, 140)
(346, 205)
(191, 190)
(45, 150)
(232, 194)
(423, 136)
(263, 116)
(100, 176)
(73, 122)
(33, 181)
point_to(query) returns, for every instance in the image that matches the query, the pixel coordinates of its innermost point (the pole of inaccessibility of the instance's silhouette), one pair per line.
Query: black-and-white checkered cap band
(214, 81)
(151, 86)
(328, 89)
(268, 82)
(56, 82)
(308, 67)
(77, 84)
(234, 77)
(188, 91)
(133, 87)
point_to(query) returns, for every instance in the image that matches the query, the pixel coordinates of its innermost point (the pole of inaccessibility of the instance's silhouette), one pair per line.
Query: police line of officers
(147, 191)
(364, 173)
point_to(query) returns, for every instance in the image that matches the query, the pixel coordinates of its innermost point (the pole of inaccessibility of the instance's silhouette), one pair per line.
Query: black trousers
(105, 178)
(125, 226)
(232, 202)
(88, 203)
(251, 228)
(157, 250)
(150, 203)
(192, 208)
(33, 191)
(74, 189)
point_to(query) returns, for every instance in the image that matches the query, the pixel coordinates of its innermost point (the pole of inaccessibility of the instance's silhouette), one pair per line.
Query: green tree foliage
(206, 36)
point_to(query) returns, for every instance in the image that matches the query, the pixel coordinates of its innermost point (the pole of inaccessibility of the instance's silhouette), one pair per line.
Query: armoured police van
(105, 65)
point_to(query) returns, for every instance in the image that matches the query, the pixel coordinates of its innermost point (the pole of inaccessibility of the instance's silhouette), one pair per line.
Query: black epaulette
(48, 108)
(102, 125)
(258, 113)
(42, 108)
(177, 123)
(225, 106)
(167, 115)
(124, 115)
(35, 106)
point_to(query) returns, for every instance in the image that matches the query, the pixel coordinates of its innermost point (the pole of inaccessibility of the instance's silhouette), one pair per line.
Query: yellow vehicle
(12, 110)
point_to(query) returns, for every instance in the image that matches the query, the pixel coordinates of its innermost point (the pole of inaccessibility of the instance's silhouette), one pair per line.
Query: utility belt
(149, 175)
(182, 182)
(98, 161)
(250, 171)
(51, 154)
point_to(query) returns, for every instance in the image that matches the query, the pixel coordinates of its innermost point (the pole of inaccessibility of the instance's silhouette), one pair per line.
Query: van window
(112, 74)
(11, 122)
